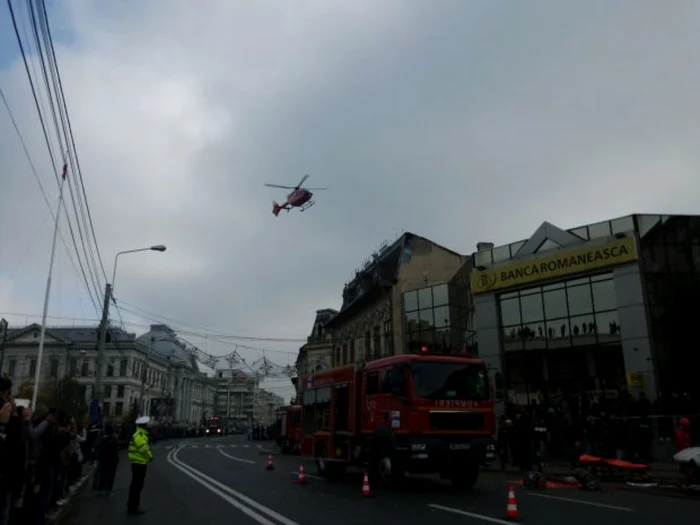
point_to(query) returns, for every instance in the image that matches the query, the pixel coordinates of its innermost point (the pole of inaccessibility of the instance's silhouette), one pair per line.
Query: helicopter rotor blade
(303, 179)
(278, 186)
(315, 189)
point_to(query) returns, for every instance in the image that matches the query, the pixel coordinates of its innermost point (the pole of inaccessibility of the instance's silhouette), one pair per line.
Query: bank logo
(487, 280)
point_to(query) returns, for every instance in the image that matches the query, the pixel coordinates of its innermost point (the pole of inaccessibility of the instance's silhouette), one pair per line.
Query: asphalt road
(224, 480)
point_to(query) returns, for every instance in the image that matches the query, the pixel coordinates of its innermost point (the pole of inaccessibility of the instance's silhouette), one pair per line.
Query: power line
(41, 186)
(72, 140)
(176, 329)
(209, 331)
(46, 137)
(49, 78)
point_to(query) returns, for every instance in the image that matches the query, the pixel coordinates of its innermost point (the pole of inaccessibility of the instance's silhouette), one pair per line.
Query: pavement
(224, 480)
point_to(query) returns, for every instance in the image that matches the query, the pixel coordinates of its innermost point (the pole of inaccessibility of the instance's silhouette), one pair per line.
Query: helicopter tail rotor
(276, 208)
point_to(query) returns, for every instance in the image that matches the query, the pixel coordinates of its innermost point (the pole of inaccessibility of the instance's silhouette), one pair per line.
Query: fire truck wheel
(466, 477)
(387, 470)
(325, 468)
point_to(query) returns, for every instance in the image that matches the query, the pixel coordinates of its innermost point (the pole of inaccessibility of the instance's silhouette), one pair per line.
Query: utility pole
(3, 339)
(144, 374)
(101, 344)
(228, 400)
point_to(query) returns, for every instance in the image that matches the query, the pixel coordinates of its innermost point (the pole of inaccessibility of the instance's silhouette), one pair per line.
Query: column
(488, 336)
(634, 329)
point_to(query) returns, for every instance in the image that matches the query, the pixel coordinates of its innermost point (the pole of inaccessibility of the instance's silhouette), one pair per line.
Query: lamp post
(102, 341)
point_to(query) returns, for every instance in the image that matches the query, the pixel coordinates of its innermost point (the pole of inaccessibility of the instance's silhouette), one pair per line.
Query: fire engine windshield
(444, 380)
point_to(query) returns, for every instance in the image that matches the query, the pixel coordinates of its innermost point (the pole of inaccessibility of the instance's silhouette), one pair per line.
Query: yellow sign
(635, 380)
(559, 264)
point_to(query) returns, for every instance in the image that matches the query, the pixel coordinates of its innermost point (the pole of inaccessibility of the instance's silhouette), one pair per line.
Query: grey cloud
(464, 122)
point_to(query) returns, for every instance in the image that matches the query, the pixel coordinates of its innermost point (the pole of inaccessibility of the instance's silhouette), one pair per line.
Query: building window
(123, 364)
(73, 366)
(377, 350)
(53, 367)
(110, 370)
(118, 408)
(431, 319)
(106, 409)
(388, 339)
(578, 312)
(84, 368)
(12, 366)
(120, 391)
(368, 345)
(32, 367)
(108, 391)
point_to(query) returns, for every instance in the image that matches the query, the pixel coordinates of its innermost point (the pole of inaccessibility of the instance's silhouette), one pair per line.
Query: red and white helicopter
(299, 198)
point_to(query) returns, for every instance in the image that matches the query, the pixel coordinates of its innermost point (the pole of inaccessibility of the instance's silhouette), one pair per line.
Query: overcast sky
(461, 121)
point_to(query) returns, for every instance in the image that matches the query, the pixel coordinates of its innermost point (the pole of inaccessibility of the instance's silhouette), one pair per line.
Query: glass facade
(435, 317)
(670, 253)
(577, 312)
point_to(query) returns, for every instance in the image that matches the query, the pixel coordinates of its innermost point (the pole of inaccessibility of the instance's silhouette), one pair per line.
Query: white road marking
(309, 476)
(242, 460)
(233, 497)
(582, 502)
(246, 446)
(207, 446)
(470, 514)
(194, 446)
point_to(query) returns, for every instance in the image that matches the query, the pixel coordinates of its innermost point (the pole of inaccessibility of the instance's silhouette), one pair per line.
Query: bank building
(603, 309)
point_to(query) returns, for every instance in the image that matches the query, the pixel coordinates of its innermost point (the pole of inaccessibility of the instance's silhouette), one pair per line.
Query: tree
(46, 396)
(70, 398)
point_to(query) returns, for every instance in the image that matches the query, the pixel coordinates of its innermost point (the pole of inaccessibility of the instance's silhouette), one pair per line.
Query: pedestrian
(108, 457)
(140, 456)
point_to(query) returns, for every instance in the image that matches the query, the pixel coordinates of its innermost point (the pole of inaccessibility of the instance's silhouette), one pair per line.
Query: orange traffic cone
(301, 476)
(512, 507)
(269, 466)
(366, 493)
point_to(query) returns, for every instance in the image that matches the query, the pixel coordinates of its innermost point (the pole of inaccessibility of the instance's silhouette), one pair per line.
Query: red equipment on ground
(415, 413)
(299, 198)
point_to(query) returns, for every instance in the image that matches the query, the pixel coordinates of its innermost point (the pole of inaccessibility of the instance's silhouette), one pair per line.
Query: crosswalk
(185, 444)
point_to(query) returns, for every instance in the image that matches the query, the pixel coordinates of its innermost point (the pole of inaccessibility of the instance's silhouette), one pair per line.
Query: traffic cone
(301, 476)
(366, 493)
(512, 507)
(269, 466)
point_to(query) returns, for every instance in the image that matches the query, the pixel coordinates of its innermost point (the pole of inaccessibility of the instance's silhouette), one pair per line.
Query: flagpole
(37, 371)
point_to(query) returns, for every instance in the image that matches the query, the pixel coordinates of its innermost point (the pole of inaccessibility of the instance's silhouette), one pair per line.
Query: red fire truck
(288, 428)
(411, 413)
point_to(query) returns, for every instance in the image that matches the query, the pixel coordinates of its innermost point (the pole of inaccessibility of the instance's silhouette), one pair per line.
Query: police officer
(140, 456)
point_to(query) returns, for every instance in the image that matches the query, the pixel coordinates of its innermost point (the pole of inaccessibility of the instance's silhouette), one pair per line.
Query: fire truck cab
(411, 413)
(288, 428)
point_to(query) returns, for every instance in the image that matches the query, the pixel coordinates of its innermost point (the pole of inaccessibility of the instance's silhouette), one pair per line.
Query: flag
(65, 171)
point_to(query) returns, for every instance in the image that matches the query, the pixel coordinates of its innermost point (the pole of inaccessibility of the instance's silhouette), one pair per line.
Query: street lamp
(156, 248)
(102, 341)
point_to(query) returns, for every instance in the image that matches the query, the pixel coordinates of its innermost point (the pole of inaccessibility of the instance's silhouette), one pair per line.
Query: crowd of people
(530, 436)
(42, 457)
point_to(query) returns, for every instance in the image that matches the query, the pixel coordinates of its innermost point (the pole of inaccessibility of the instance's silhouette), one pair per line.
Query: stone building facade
(371, 322)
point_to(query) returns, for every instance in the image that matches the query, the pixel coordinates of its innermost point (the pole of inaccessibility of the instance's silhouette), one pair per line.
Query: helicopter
(299, 198)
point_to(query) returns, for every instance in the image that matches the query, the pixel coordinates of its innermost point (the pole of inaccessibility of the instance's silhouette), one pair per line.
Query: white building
(239, 397)
(133, 373)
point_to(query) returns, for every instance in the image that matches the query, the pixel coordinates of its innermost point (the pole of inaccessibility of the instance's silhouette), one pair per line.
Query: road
(224, 480)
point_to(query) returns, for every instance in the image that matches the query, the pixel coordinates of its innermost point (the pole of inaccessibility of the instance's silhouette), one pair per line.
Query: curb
(56, 515)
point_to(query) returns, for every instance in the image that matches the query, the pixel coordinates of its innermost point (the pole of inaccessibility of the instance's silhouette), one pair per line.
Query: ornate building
(317, 353)
(372, 321)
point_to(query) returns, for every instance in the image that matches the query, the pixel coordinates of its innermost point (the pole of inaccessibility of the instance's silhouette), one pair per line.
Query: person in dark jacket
(108, 458)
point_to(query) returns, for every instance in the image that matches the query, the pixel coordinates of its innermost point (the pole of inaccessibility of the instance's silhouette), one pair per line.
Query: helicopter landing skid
(307, 206)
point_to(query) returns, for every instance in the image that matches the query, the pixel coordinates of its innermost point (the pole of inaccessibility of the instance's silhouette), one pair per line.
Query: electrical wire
(46, 135)
(208, 332)
(41, 187)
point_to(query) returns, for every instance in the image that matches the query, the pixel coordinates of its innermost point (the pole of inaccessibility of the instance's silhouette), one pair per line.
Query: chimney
(483, 246)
